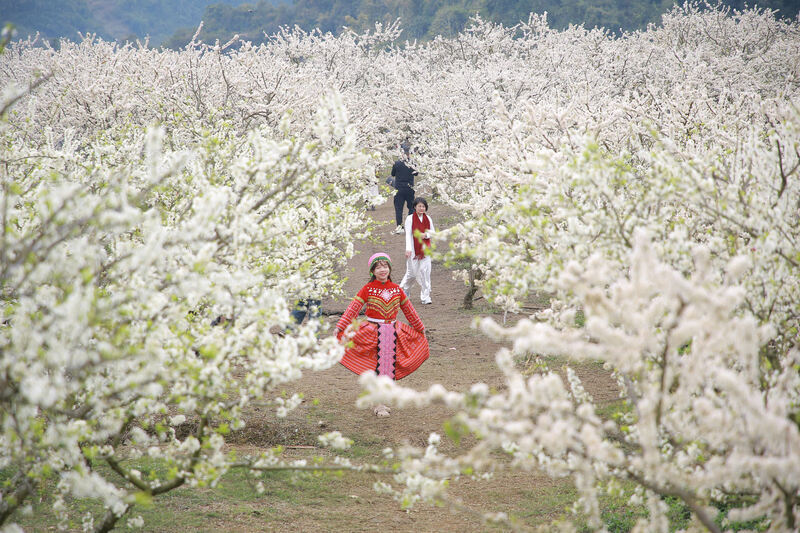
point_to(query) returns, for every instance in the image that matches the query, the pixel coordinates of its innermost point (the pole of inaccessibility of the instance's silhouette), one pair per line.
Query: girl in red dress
(380, 343)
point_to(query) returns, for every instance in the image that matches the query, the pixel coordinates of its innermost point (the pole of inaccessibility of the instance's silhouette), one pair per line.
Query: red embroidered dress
(381, 343)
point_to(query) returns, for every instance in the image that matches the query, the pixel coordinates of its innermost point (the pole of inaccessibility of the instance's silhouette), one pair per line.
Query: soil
(459, 357)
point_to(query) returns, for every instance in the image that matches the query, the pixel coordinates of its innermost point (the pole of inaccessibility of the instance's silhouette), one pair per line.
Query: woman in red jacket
(380, 343)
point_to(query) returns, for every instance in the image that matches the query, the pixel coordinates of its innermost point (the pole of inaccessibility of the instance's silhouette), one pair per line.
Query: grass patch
(364, 447)
(612, 410)
(580, 319)
(735, 502)
(448, 220)
(554, 502)
(335, 500)
(234, 500)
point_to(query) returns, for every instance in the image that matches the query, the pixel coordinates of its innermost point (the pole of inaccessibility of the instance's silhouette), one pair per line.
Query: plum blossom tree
(699, 152)
(120, 243)
(706, 421)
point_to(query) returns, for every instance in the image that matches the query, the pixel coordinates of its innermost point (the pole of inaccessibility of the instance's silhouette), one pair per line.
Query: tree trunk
(473, 288)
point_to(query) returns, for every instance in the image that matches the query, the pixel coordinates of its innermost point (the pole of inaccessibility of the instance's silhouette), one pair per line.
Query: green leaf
(452, 431)
(143, 498)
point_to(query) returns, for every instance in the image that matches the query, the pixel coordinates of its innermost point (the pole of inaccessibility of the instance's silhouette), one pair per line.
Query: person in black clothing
(404, 183)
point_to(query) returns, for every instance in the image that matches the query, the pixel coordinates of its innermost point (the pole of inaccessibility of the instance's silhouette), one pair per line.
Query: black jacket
(404, 175)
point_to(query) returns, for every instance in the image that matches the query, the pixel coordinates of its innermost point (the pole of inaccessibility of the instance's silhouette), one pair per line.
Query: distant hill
(109, 19)
(424, 19)
(172, 22)
(51, 19)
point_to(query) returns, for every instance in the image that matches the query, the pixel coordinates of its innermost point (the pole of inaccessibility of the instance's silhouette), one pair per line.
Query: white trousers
(419, 270)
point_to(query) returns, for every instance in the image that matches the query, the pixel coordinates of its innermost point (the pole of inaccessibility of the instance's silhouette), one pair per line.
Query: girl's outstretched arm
(349, 314)
(411, 314)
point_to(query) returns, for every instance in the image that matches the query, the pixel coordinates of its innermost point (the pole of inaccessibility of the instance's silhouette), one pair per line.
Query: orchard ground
(460, 356)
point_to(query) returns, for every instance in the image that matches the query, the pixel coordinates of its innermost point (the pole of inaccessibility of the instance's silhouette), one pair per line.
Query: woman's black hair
(372, 269)
(420, 200)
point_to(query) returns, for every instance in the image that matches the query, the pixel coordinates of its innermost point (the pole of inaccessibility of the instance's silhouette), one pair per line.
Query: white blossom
(335, 440)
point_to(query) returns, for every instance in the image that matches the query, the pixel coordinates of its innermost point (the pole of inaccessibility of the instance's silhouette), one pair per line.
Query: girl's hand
(408, 254)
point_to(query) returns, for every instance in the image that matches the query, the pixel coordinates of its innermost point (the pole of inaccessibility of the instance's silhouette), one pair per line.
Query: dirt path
(460, 356)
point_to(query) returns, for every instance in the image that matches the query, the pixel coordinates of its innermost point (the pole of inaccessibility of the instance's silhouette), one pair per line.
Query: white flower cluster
(335, 440)
(137, 207)
(702, 421)
(648, 186)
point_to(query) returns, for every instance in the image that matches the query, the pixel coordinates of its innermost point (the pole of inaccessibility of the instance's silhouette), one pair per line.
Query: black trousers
(403, 196)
